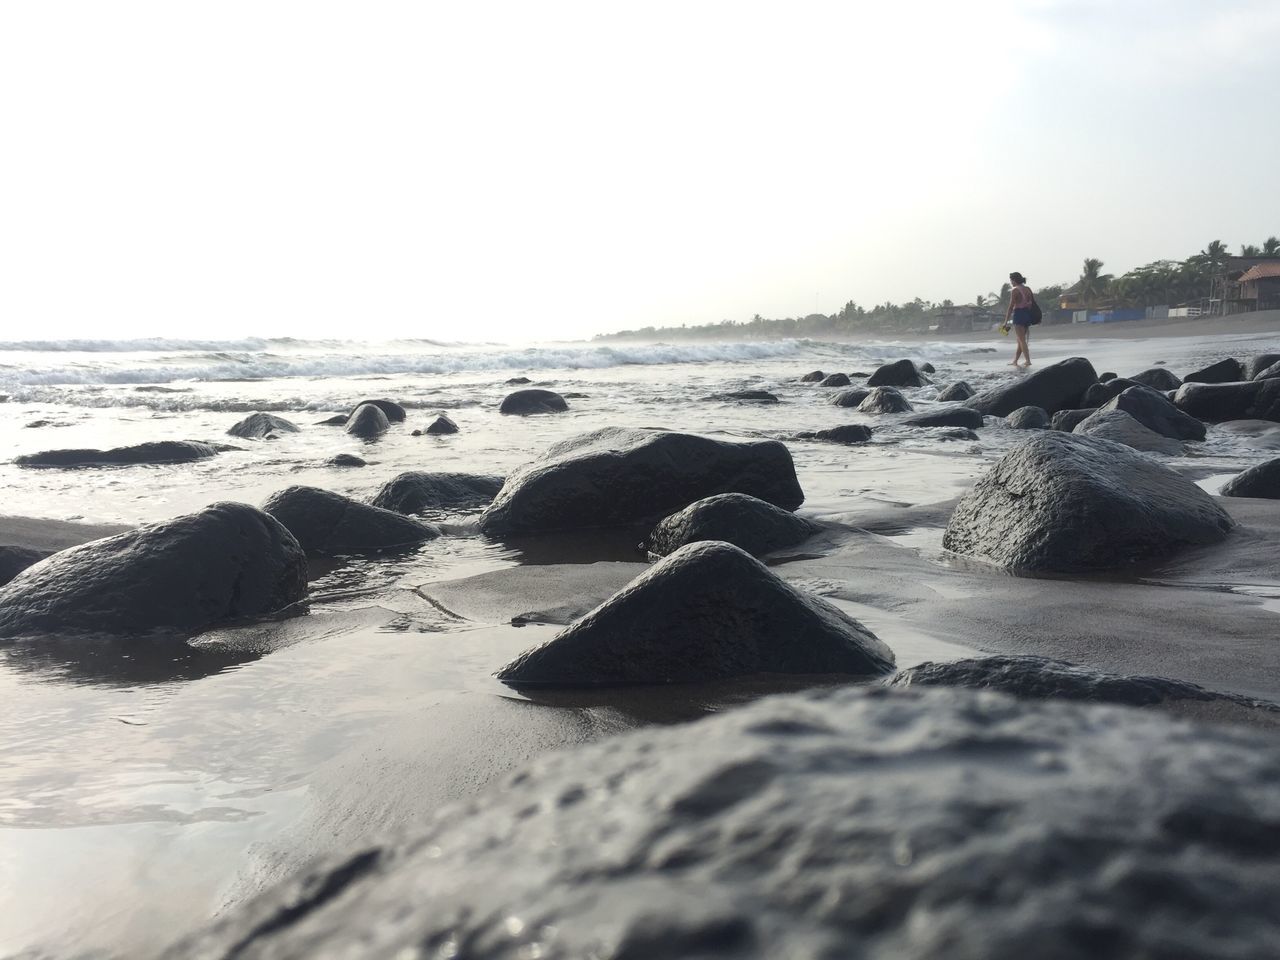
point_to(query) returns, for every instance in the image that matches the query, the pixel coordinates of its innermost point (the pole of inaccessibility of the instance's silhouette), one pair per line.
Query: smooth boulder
(706, 612)
(1261, 481)
(441, 425)
(155, 452)
(392, 410)
(327, 521)
(1062, 503)
(622, 475)
(532, 401)
(1118, 426)
(884, 400)
(1058, 386)
(744, 521)
(261, 426)
(1066, 420)
(900, 373)
(814, 376)
(835, 380)
(960, 390)
(1156, 412)
(845, 433)
(1220, 402)
(1224, 371)
(1028, 418)
(368, 422)
(226, 562)
(1157, 378)
(1105, 390)
(345, 460)
(849, 398)
(415, 491)
(946, 417)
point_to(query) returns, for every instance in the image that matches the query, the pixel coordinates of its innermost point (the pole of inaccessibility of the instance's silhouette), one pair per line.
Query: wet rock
(441, 425)
(1224, 371)
(835, 380)
(261, 426)
(15, 559)
(1064, 503)
(620, 475)
(1028, 418)
(750, 524)
(345, 460)
(884, 400)
(927, 367)
(225, 562)
(393, 411)
(1066, 420)
(1261, 481)
(328, 521)
(814, 376)
(368, 422)
(157, 452)
(1157, 378)
(960, 390)
(533, 401)
(1156, 412)
(946, 434)
(1219, 402)
(946, 417)
(1269, 372)
(849, 398)
(1255, 365)
(745, 396)
(1056, 387)
(707, 611)
(1118, 426)
(338, 420)
(922, 823)
(1100, 393)
(517, 381)
(414, 492)
(845, 433)
(900, 373)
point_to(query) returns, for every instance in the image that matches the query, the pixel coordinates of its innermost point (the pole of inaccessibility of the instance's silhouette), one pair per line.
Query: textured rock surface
(225, 562)
(1156, 412)
(392, 410)
(874, 823)
(415, 491)
(1219, 402)
(1104, 390)
(835, 380)
(849, 398)
(960, 390)
(1256, 364)
(705, 612)
(1268, 373)
(259, 426)
(1157, 378)
(900, 373)
(621, 475)
(1224, 371)
(441, 425)
(946, 417)
(1056, 387)
(1119, 426)
(845, 433)
(368, 422)
(746, 522)
(15, 559)
(159, 451)
(884, 400)
(324, 520)
(1028, 418)
(531, 401)
(1063, 503)
(1261, 481)
(1066, 420)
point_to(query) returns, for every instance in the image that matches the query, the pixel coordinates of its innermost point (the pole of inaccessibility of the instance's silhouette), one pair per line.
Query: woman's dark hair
(1016, 277)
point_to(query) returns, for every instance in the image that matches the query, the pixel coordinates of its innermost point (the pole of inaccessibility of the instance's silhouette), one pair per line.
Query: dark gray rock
(441, 425)
(327, 521)
(1118, 426)
(1104, 377)
(1101, 392)
(1056, 387)
(156, 452)
(261, 426)
(1156, 412)
(517, 381)
(525, 402)
(1255, 365)
(414, 492)
(814, 376)
(621, 475)
(1028, 418)
(881, 824)
(960, 390)
(946, 417)
(1157, 378)
(1269, 373)
(884, 400)
(225, 562)
(845, 433)
(745, 396)
(1066, 420)
(1063, 503)
(1219, 402)
(947, 434)
(338, 420)
(1261, 481)
(746, 522)
(900, 373)
(927, 367)
(368, 422)
(345, 460)
(849, 398)
(835, 380)
(15, 559)
(706, 612)
(1224, 371)
(393, 411)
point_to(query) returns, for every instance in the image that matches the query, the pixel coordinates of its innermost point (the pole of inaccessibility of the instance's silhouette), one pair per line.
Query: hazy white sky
(532, 170)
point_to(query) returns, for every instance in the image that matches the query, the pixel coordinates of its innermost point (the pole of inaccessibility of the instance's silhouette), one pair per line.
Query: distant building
(963, 318)
(1246, 284)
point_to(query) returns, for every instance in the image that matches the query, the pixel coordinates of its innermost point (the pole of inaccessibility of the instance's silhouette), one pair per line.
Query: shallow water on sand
(142, 792)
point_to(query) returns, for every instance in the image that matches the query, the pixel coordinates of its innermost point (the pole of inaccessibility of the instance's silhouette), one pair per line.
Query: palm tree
(1271, 247)
(1215, 253)
(1092, 282)
(1250, 250)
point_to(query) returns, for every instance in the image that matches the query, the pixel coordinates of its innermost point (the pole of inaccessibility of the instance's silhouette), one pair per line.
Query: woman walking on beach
(1019, 310)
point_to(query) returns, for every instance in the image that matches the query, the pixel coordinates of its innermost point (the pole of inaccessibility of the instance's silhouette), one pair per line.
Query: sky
(528, 171)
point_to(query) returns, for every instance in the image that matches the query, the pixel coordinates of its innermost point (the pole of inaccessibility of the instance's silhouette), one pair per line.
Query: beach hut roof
(1260, 271)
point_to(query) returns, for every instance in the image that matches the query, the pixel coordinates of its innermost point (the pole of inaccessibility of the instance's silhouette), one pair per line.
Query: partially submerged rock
(328, 521)
(1028, 418)
(516, 381)
(814, 376)
(155, 452)
(621, 475)
(441, 425)
(416, 491)
(392, 410)
(845, 433)
(533, 401)
(225, 562)
(1119, 426)
(706, 612)
(884, 400)
(262, 426)
(1224, 371)
(345, 460)
(849, 398)
(946, 417)
(1219, 402)
(1064, 503)
(1156, 412)
(960, 390)
(1056, 387)
(835, 380)
(368, 422)
(748, 396)
(900, 373)
(746, 522)
(1261, 481)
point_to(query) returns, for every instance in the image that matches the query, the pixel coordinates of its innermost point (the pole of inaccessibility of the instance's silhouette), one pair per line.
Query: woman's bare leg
(1022, 343)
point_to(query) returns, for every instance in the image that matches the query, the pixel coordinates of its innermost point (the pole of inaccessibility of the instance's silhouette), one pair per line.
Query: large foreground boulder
(849, 398)
(368, 422)
(881, 824)
(225, 562)
(1064, 503)
(1028, 418)
(1156, 412)
(884, 400)
(946, 417)
(392, 410)
(1262, 482)
(1118, 426)
(532, 401)
(746, 522)
(328, 521)
(1219, 402)
(155, 452)
(260, 426)
(622, 475)
(414, 492)
(960, 390)
(706, 612)
(900, 373)
(1224, 371)
(1157, 378)
(1056, 387)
